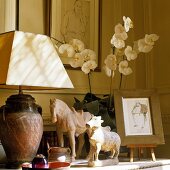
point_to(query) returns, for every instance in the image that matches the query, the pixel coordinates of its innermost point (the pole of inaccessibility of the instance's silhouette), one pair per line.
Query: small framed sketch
(138, 117)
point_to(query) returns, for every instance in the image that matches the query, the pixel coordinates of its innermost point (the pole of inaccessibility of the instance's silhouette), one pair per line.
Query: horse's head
(96, 122)
(52, 110)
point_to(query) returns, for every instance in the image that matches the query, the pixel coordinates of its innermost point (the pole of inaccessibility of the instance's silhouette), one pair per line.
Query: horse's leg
(60, 137)
(72, 143)
(90, 154)
(80, 144)
(98, 145)
(112, 153)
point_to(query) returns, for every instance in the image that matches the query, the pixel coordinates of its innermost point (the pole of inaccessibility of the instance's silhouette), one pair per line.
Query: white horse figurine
(101, 138)
(71, 121)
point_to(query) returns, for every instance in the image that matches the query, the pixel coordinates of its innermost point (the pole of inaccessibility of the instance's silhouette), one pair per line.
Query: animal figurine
(70, 121)
(101, 138)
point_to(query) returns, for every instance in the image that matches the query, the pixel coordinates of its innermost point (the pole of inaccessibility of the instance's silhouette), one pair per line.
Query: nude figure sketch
(139, 110)
(75, 22)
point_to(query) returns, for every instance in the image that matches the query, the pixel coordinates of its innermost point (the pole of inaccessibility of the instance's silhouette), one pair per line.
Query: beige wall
(151, 70)
(7, 15)
(157, 62)
(31, 16)
(160, 73)
(2, 13)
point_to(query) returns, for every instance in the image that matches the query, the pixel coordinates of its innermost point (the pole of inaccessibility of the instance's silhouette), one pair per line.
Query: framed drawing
(138, 117)
(78, 19)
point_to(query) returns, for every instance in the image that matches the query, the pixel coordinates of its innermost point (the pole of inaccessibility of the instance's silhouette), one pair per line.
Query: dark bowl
(51, 166)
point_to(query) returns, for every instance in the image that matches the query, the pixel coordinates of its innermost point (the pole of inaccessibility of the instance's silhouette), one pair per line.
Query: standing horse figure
(70, 121)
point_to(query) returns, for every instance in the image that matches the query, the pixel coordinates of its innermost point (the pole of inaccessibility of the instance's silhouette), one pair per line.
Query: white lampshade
(31, 61)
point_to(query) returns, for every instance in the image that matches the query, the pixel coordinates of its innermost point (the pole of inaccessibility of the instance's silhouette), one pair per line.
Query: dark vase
(21, 129)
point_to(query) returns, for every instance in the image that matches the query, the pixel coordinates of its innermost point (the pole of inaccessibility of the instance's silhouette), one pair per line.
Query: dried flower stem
(120, 83)
(111, 82)
(110, 97)
(58, 41)
(89, 82)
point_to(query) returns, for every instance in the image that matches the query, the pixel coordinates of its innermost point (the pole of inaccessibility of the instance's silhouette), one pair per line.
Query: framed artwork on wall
(138, 117)
(78, 19)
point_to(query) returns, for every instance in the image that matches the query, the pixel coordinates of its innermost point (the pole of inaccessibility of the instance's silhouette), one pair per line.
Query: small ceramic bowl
(51, 166)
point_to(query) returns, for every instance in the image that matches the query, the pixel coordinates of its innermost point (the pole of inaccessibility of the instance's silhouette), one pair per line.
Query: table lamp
(27, 62)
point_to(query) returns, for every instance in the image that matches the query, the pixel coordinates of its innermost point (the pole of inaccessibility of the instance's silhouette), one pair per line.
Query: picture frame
(85, 27)
(138, 117)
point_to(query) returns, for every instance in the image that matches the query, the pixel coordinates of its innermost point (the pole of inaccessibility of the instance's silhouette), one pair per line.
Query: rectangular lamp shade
(31, 61)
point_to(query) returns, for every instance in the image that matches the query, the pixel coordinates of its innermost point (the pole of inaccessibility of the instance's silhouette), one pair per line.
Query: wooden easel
(140, 150)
